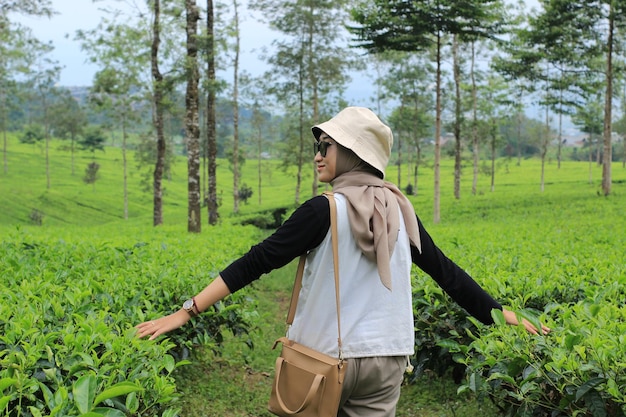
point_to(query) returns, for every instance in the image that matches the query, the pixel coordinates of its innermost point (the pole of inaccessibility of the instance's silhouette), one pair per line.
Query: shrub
(244, 193)
(36, 217)
(91, 173)
(67, 341)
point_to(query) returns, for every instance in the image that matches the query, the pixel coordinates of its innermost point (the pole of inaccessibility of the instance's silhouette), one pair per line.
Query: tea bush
(70, 295)
(564, 265)
(67, 342)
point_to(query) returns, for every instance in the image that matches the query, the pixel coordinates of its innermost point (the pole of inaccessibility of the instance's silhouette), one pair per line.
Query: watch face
(188, 305)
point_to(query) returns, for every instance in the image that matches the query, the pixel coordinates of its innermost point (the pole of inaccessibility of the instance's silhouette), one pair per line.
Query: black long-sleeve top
(307, 227)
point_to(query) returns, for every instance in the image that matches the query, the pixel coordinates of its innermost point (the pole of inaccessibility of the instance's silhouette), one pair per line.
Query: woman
(379, 237)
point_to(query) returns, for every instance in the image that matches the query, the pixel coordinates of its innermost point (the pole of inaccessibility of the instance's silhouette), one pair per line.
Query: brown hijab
(373, 210)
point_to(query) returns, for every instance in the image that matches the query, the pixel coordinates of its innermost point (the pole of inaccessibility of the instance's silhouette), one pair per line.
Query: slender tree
(17, 46)
(517, 62)
(157, 118)
(121, 49)
(254, 96)
(211, 141)
(616, 17)
(589, 119)
(192, 127)
(309, 68)
(13, 62)
(68, 120)
(458, 115)
(44, 78)
(495, 102)
(422, 26)
(235, 101)
(577, 33)
(407, 80)
(474, 128)
(258, 125)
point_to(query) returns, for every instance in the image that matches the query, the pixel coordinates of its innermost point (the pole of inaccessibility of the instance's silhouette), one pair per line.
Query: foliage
(92, 140)
(32, 134)
(36, 217)
(91, 173)
(268, 220)
(244, 193)
(567, 277)
(67, 345)
(77, 292)
(577, 371)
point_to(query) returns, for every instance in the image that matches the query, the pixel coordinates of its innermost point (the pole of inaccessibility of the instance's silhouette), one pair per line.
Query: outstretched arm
(460, 285)
(210, 295)
(304, 230)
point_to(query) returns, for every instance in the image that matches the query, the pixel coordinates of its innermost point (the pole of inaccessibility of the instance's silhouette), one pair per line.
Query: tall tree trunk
(47, 137)
(300, 156)
(494, 137)
(519, 138)
(457, 117)
(236, 173)
(3, 111)
(157, 78)
(417, 145)
(314, 85)
(474, 123)
(210, 120)
(192, 128)
(560, 145)
(437, 168)
(544, 148)
(590, 159)
(607, 156)
(124, 166)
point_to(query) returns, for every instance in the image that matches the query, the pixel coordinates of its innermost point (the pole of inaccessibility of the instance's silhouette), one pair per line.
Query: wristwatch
(190, 307)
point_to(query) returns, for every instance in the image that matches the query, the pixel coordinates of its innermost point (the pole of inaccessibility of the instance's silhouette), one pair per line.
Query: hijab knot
(373, 211)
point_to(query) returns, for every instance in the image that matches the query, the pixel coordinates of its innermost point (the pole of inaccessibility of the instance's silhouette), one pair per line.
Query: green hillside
(70, 201)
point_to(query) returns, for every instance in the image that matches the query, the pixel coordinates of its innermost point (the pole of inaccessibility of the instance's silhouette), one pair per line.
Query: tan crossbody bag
(308, 383)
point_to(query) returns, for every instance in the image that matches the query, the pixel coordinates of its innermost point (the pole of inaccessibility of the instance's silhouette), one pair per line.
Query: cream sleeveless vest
(374, 320)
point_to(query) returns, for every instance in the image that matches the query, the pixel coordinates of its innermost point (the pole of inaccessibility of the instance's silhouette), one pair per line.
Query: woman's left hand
(155, 328)
(511, 318)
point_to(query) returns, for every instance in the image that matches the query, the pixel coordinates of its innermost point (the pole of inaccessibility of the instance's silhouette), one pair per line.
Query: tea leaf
(84, 390)
(498, 317)
(116, 390)
(6, 382)
(106, 412)
(587, 386)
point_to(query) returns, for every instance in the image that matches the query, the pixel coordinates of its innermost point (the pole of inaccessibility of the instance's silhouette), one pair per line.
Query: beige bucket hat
(361, 131)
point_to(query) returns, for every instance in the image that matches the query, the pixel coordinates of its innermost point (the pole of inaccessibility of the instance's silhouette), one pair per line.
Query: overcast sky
(73, 15)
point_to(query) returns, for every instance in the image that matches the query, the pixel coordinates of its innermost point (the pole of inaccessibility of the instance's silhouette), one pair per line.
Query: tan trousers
(372, 387)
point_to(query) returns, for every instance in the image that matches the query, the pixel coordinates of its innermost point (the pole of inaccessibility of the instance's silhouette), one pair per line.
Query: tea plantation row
(68, 307)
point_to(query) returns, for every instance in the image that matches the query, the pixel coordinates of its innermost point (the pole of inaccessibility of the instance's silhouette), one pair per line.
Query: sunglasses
(321, 147)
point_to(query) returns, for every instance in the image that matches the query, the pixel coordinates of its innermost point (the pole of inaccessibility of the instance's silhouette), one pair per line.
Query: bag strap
(297, 286)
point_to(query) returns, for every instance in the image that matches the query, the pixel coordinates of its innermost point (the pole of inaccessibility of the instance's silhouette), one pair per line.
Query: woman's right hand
(155, 328)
